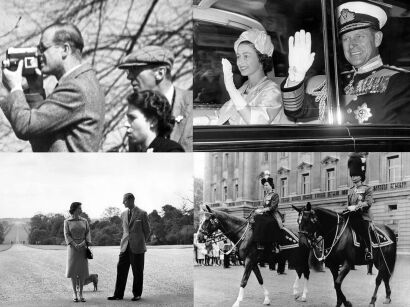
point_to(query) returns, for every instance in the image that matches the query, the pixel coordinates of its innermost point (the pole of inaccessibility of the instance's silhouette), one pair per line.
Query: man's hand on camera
(13, 80)
(35, 82)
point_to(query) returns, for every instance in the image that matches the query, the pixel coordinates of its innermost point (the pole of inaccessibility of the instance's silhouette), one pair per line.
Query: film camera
(30, 57)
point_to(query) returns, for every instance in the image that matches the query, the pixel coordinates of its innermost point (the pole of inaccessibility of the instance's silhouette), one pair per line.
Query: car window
(394, 51)
(214, 40)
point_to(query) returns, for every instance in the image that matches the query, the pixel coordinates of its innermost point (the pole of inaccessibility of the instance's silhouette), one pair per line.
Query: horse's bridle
(214, 220)
(312, 238)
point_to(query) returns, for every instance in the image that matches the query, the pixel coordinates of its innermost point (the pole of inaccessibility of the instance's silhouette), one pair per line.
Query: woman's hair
(268, 180)
(156, 108)
(264, 59)
(74, 206)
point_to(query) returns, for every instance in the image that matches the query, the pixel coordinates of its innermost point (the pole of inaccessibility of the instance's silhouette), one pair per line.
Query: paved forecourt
(35, 277)
(216, 286)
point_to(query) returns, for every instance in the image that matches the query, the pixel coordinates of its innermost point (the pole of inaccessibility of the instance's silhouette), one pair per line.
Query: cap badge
(346, 16)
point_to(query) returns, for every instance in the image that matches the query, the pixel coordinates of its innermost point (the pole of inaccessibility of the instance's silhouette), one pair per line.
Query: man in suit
(71, 118)
(149, 68)
(136, 232)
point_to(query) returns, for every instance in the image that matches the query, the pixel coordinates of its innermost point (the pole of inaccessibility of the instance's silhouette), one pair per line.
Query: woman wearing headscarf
(258, 100)
(77, 236)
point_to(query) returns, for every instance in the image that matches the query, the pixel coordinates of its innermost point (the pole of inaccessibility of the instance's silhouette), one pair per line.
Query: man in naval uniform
(372, 92)
(360, 199)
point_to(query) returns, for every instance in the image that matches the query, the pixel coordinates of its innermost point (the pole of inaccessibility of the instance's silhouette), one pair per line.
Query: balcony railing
(390, 186)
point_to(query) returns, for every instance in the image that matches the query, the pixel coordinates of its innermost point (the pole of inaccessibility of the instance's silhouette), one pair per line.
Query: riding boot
(366, 237)
(367, 251)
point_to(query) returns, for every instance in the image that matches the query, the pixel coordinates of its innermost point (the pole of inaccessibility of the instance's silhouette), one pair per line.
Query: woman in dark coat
(77, 236)
(150, 123)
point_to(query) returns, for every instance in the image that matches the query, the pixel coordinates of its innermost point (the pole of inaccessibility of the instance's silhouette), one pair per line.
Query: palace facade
(232, 183)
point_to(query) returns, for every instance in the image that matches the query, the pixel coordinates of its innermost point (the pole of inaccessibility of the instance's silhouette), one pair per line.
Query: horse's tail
(390, 252)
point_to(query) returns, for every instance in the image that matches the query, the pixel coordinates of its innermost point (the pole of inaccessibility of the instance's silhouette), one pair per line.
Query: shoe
(113, 298)
(75, 300)
(136, 298)
(82, 299)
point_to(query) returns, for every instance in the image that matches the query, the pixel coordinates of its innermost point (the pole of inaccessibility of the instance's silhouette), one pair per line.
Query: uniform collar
(372, 64)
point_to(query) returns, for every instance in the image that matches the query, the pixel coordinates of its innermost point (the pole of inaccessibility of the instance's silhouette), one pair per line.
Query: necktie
(129, 215)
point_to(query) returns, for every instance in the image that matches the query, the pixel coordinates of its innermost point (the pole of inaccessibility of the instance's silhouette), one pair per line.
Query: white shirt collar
(70, 71)
(170, 93)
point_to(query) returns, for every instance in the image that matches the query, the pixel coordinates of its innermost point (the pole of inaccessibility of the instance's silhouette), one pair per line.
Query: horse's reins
(233, 232)
(335, 239)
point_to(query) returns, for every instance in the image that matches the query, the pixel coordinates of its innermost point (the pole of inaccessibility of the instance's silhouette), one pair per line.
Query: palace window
(284, 187)
(305, 183)
(330, 179)
(393, 169)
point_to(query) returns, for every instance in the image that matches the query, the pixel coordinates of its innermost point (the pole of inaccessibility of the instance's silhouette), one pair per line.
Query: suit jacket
(136, 232)
(71, 118)
(160, 144)
(182, 111)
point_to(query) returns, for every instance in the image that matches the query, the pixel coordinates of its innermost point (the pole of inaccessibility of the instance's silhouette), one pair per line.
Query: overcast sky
(199, 164)
(49, 183)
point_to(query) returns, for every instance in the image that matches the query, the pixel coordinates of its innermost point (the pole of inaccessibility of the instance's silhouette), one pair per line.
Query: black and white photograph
(97, 229)
(273, 75)
(69, 69)
(205, 153)
(302, 229)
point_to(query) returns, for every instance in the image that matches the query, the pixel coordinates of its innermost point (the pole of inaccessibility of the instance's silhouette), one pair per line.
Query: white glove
(228, 75)
(300, 57)
(233, 92)
(351, 208)
(258, 211)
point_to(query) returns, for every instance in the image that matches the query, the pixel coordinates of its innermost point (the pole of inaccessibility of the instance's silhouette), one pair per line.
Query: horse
(239, 231)
(341, 248)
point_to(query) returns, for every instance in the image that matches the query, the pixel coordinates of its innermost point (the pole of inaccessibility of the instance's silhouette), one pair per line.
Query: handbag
(88, 252)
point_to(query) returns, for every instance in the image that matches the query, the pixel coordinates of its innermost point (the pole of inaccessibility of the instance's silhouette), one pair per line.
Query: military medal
(363, 113)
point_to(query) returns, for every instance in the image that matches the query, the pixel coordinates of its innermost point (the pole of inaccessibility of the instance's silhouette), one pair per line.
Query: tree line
(168, 227)
(4, 229)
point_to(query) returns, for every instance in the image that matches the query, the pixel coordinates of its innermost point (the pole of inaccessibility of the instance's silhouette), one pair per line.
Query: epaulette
(396, 68)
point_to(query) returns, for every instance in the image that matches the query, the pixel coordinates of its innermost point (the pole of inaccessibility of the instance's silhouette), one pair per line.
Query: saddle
(381, 240)
(291, 240)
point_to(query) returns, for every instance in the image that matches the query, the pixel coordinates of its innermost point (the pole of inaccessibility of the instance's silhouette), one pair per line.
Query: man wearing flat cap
(149, 68)
(372, 92)
(136, 232)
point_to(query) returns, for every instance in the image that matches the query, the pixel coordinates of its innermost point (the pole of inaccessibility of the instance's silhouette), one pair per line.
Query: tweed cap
(355, 15)
(148, 55)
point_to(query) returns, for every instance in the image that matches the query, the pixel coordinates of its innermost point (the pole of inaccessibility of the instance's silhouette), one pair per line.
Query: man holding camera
(149, 68)
(71, 118)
